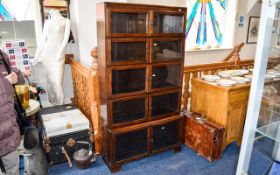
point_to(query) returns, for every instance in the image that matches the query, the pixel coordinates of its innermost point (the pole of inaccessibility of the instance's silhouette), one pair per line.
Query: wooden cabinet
(141, 52)
(226, 106)
(129, 143)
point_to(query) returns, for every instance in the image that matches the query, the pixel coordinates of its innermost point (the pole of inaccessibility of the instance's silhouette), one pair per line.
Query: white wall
(206, 56)
(178, 3)
(84, 25)
(248, 50)
(83, 18)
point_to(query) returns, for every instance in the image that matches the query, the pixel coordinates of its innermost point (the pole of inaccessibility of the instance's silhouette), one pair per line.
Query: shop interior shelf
(271, 130)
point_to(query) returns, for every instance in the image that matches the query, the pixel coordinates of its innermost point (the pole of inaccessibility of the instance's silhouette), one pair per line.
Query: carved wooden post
(95, 103)
(186, 93)
(74, 99)
(234, 55)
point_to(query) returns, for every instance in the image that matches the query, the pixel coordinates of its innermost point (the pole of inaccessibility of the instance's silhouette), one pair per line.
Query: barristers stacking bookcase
(141, 56)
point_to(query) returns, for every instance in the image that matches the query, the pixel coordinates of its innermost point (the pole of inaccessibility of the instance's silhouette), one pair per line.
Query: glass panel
(269, 116)
(166, 76)
(131, 144)
(264, 144)
(129, 80)
(128, 23)
(165, 135)
(164, 23)
(167, 50)
(126, 111)
(128, 51)
(164, 104)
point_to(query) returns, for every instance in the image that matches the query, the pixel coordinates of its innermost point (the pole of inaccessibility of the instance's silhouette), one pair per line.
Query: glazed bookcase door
(165, 76)
(165, 23)
(168, 49)
(127, 80)
(131, 145)
(125, 51)
(164, 104)
(129, 110)
(141, 56)
(127, 22)
(166, 135)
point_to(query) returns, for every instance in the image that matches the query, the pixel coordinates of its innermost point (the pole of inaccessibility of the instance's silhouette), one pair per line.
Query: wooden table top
(215, 85)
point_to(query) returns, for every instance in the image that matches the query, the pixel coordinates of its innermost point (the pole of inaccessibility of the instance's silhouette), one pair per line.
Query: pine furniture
(226, 106)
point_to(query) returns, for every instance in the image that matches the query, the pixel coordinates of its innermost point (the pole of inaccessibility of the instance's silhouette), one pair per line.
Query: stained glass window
(206, 23)
(16, 10)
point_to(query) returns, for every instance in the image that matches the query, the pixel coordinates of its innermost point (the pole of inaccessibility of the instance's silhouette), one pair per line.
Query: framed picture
(253, 30)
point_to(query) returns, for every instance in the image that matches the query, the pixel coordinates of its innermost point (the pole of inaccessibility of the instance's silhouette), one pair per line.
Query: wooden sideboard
(226, 106)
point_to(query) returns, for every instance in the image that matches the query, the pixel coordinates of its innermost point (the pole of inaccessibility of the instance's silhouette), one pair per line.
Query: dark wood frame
(109, 73)
(159, 39)
(249, 24)
(115, 134)
(105, 37)
(109, 50)
(178, 13)
(110, 111)
(176, 147)
(150, 89)
(115, 165)
(142, 8)
(164, 93)
(125, 10)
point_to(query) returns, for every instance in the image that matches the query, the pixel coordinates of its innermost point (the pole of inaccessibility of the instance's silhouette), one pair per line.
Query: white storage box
(58, 129)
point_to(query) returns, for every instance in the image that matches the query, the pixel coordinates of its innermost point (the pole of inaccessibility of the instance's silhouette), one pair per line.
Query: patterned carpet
(186, 162)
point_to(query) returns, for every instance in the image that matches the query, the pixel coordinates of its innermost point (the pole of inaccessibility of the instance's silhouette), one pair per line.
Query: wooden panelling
(86, 95)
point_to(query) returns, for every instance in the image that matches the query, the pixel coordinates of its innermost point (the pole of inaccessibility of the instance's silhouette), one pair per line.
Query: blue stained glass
(200, 12)
(5, 15)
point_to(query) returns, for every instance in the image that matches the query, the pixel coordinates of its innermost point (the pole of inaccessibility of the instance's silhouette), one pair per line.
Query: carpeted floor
(186, 162)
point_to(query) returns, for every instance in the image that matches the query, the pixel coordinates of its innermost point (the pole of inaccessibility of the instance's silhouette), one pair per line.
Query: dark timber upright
(141, 58)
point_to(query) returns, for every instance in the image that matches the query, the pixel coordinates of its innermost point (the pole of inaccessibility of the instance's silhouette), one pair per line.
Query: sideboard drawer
(239, 95)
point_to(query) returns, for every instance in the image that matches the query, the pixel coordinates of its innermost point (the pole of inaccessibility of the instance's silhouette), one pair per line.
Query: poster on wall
(253, 30)
(18, 54)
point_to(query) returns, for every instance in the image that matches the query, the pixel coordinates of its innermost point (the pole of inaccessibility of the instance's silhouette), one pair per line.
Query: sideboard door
(235, 121)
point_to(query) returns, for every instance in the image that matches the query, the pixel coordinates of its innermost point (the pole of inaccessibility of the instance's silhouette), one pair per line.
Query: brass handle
(66, 156)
